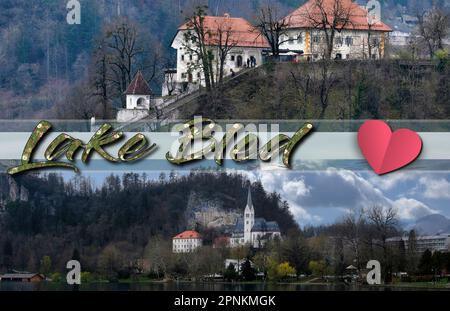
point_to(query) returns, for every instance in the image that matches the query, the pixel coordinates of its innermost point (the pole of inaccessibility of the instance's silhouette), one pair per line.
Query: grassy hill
(333, 90)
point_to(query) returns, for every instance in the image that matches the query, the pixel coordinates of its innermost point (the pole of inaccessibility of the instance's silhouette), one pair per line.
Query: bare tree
(78, 103)
(351, 229)
(433, 28)
(100, 83)
(152, 63)
(384, 221)
(330, 20)
(327, 80)
(170, 77)
(196, 40)
(303, 82)
(123, 54)
(273, 27)
(224, 38)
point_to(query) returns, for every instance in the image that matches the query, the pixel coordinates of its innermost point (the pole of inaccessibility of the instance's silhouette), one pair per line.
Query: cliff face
(208, 213)
(11, 190)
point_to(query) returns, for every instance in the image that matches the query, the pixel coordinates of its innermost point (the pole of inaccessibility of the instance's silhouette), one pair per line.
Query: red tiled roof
(190, 234)
(242, 33)
(306, 15)
(138, 86)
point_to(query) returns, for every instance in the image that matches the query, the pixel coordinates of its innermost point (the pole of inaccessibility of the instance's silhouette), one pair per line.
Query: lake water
(187, 286)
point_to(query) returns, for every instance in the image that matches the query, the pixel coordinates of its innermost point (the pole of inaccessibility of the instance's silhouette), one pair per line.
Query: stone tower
(249, 218)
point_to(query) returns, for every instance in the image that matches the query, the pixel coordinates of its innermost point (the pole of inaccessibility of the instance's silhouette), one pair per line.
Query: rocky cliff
(208, 213)
(11, 190)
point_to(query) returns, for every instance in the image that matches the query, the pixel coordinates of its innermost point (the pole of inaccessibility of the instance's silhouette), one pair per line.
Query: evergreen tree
(230, 273)
(248, 273)
(426, 263)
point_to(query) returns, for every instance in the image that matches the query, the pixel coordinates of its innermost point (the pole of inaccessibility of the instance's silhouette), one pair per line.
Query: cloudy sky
(321, 197)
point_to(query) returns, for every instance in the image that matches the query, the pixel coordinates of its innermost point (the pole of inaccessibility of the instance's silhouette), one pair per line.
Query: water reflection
(187, 286)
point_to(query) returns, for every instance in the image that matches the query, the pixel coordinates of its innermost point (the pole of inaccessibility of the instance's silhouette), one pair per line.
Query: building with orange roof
(138, 100)
(186, 242)
(245, 42)
(358, 34)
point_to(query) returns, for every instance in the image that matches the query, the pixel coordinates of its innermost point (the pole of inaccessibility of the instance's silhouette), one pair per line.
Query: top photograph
(166, 60)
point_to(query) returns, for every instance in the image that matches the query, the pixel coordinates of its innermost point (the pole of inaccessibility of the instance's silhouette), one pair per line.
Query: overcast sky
(321, 197)
(324, 196)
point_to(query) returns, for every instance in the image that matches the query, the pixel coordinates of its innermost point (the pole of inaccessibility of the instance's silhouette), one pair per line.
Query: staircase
(169, 107)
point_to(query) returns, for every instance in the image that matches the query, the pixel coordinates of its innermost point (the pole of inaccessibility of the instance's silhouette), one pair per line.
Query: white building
(361, 37)
(431, 242)
(186, 242)
(237, 263)
(138, 100)
(253, 231)
(246, 46)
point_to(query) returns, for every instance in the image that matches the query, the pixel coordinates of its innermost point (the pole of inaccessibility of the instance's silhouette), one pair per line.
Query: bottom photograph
(225, 231)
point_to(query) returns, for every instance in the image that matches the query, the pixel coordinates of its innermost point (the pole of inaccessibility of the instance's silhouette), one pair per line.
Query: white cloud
(435, 188)
(390, 181)
(311, 194)
(296, 188)
(411, 209)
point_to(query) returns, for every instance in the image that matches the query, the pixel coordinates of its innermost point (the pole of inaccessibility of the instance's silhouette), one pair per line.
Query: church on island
(253, 231)
(248, 231)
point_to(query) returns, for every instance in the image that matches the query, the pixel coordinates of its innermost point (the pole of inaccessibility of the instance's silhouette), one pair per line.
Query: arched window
(141, 103)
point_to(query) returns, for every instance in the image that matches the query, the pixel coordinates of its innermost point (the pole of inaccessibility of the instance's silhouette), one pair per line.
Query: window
(339, 41)
(300, 38)
(198, 75)
(349, 41)
(375, 41)
(316, 39)
(291, 40)
(239, 61)
(182, 57)
(190, 57)
(141, 103)
(233, 58)
(183, 75)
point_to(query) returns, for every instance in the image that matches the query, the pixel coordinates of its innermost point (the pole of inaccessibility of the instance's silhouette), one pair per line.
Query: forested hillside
(52, 69)
(333, 90)
(125, 212)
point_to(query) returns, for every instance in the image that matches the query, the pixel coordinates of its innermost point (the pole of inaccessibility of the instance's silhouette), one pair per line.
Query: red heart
(386, 151)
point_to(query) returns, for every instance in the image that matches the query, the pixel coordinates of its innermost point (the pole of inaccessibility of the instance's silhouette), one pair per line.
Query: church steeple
(249, 198)
(249, 218)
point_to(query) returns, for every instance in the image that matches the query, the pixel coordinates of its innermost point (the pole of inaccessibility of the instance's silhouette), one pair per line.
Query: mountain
(432, 224)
